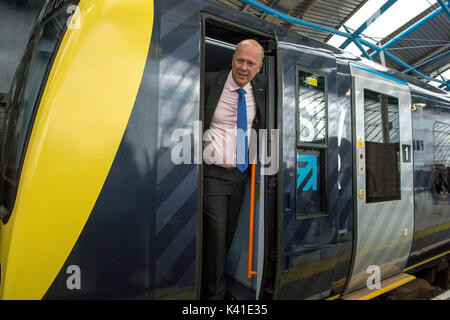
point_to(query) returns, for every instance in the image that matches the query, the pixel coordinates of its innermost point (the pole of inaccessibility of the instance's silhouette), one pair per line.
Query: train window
(382, 136)
(311, 119)
(34, 70)
(222, 53)
(441, 155)
(311, 108)
(40, 56)
(310, 193)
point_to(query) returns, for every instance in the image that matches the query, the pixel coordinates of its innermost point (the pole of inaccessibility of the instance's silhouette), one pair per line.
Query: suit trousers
(223, 193)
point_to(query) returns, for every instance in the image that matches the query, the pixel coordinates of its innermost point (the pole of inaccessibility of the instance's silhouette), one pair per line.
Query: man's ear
(260, 67)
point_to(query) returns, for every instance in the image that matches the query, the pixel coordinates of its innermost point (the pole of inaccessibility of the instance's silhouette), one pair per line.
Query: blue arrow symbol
(311, 164)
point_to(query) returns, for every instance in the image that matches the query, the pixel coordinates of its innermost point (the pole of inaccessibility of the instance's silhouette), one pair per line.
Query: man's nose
(244, 65)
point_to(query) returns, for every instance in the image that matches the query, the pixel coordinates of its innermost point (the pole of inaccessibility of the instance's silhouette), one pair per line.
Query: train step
(385, 286)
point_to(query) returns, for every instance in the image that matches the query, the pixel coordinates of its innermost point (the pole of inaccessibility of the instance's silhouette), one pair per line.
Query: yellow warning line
(388, 288)
(426, 261)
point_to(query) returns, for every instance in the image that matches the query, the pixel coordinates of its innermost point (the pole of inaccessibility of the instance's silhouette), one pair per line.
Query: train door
(307, 180)
(383, 177)
(244, 267)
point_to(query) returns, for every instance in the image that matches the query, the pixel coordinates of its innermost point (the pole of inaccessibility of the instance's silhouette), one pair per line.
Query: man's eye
(250, 64)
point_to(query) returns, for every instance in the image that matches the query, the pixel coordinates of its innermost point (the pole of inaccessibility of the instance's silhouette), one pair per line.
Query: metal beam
(427, 61)
(272, 4)
(445, 6)
(447, 82)
(245, 7)
(285, 17)
(369, 21)
(429, 56)
(356, 41)
(404, 64)
(293, 20)
(442, 86)
(412, 28)
(300, 10)
(382, 59)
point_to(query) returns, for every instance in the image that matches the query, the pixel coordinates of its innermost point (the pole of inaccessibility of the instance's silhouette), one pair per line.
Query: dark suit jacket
(214, 83)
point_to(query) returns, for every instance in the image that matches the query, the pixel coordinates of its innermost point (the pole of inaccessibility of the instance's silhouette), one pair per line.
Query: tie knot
(241, 91)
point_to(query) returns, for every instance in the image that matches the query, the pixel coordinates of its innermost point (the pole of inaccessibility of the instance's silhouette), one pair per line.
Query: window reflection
(382, 136)
(311, 108)
(441, 155)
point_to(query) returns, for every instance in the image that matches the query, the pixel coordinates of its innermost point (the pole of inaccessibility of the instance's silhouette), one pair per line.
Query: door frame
(299, 247)
(269, 210)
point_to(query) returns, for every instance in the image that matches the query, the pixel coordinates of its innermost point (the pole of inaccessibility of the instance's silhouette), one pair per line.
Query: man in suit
(235, 103)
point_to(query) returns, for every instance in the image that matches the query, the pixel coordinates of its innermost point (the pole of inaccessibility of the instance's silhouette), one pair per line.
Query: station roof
(426, 48)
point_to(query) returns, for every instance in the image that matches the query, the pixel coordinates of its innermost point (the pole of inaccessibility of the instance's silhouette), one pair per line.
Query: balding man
(235, 102)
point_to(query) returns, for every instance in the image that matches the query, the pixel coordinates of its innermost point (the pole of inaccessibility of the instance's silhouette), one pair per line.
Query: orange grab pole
(250, 227)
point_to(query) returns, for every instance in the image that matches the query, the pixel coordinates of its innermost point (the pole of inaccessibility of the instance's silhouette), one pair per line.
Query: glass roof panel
(395, 17)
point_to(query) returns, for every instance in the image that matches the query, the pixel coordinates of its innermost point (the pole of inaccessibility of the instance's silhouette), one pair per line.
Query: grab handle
(251, 272)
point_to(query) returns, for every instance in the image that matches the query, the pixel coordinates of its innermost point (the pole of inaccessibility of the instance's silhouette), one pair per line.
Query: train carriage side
(128, 217)
(313, 227)
(431, 145)
(124, 222)
(401, 153)
(329, 235)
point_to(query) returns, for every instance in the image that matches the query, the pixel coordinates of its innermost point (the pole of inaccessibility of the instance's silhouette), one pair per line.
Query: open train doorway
(245, 270)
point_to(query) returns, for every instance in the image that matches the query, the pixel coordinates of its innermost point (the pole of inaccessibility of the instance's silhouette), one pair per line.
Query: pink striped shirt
(220, 140)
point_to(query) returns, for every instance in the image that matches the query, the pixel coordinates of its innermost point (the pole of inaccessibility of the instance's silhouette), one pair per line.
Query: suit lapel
(260, 97)
(214, 96)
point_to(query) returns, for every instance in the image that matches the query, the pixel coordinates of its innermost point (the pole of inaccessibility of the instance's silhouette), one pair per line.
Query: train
(98, 201)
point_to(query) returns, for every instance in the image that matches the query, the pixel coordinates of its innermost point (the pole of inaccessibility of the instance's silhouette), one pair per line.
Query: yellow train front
(77, 114)
(96, 203)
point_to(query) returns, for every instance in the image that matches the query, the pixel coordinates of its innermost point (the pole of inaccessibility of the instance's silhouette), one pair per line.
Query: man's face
(246, 63)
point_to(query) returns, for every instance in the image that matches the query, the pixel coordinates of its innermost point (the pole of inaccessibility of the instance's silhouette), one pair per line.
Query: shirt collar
(232, 85)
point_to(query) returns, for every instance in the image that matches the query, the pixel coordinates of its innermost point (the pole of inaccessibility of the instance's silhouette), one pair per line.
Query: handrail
(251, 272)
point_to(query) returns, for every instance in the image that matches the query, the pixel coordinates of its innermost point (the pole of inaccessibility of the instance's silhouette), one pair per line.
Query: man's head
(247, 61)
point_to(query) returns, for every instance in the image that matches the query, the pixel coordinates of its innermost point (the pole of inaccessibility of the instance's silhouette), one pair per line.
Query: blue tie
(242, 142)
